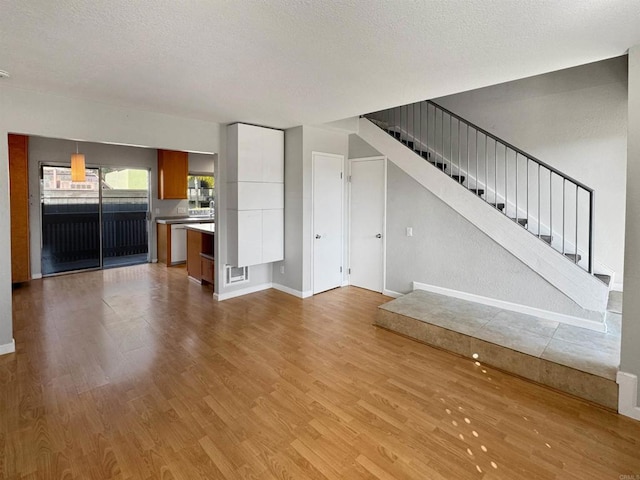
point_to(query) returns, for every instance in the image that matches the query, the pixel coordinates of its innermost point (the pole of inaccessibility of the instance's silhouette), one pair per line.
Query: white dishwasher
(178, 243)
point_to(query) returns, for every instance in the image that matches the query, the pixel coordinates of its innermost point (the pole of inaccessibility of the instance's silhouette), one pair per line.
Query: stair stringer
(577, 284)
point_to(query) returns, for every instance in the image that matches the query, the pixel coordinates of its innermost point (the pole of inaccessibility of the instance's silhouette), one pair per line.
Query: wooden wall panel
(19, 190)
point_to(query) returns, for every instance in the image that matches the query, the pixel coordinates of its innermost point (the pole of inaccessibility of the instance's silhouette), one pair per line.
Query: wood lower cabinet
(173, 170)
(200, 260)
(207, 267)
(19, 191)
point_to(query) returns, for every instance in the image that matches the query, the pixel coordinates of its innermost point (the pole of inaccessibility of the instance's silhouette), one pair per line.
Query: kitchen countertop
(204, 227)
(171, 220)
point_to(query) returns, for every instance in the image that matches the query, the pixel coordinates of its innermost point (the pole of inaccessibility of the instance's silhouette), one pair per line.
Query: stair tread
(499, 205)
(477, 191)
(439, 165)
(606, 279)
(521, 221)
(459, 178)
(572, 256)
(546, 238)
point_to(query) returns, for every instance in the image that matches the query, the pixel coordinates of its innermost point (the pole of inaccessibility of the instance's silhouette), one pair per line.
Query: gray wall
(55, 151)
(300, 143)
(630, 354)
(448, 251)
(358, 148)
(575, 120)
(293, 212)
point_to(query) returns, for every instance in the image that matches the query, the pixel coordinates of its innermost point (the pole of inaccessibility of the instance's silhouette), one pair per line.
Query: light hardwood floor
(136, 373)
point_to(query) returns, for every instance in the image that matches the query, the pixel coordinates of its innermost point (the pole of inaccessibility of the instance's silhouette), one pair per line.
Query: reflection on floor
(51, 266)
(576, 360)
(125, 260)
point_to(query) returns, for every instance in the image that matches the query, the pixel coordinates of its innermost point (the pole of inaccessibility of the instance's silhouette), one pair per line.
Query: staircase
(550, 205)
(538, 214)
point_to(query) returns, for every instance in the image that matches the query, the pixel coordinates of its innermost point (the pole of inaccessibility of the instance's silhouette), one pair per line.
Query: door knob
(318, 236)
(379, 235)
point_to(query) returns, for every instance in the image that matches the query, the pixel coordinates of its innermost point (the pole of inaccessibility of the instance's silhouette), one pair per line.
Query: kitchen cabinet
(255, 199)
(200, 260)
(173, 169)
(19, 193)
(172, 243)
(178, 244)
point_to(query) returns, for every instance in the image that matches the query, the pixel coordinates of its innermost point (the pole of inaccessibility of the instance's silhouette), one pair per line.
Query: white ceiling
(290, 62)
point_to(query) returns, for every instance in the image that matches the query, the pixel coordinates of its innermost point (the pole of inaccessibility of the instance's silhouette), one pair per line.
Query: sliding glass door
(99, 223)
(70, 220)
(125, 207)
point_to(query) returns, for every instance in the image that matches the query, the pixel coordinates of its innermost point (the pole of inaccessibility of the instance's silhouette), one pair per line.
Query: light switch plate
(409, 232)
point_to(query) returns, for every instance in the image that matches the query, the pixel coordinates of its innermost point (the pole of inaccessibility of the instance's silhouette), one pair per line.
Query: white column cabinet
(255, 227)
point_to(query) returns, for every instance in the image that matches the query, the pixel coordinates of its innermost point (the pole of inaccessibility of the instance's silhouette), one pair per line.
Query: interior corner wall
(446, 250)
(293, 213)
(575, 120)
(630, 354)
(300, 143)
(37, 113)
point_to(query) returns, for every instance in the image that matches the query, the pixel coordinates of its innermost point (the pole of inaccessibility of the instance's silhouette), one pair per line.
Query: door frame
(342, 219)
(384, 216)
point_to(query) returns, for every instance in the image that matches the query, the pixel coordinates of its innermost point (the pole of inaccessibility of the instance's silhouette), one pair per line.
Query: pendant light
(78, 173)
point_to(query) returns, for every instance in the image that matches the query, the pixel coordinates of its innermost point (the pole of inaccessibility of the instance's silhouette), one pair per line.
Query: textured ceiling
(290, 62)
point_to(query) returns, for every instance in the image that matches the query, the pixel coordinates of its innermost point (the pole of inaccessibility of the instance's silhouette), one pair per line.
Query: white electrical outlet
(409, 232)
(182, 210)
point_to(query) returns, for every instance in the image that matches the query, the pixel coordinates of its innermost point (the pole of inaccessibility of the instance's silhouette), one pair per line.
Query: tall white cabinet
(255, 202)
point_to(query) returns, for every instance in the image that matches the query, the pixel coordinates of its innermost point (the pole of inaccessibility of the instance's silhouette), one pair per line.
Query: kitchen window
(201, 194)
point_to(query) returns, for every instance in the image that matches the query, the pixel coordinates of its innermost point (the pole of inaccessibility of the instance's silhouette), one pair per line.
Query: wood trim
(164, 243)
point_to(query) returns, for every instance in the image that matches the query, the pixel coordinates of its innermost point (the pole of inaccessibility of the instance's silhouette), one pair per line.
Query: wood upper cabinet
(173, 169)
(19, 190)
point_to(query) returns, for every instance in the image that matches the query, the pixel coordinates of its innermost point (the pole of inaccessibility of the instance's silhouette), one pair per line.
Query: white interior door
(327, 232)
(366, 257)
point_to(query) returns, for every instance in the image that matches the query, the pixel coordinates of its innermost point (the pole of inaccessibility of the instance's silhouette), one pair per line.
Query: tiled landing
(571, 359)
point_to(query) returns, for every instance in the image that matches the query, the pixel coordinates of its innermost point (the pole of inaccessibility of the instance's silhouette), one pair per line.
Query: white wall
(575, 120)
(630, 353)
(54, 151)
(37, 113)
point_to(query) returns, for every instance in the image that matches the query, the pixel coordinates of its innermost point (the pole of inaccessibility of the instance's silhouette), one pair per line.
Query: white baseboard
(154, 260)
(628, 395)
(8, 348)
(243, 291)
(391, 293)
(36, 276)
(291, 291)
(515, 307)
(345, 283)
